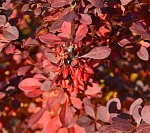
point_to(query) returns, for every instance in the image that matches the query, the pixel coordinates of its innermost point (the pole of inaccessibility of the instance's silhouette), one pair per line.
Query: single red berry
(65, 73)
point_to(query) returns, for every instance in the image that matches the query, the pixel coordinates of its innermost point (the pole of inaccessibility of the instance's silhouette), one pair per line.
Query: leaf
(38, 11)
(63, 130)
(143, 128)
(52, 57)
(85, 19)
(92, 90)
(145, 113)
(35, 117)
(23, 70)
(52, 102)
(138, 101)
(139, 30)
(122, 124)
(61, 97)
(113, 105)
(106, 129)
(25, 7)
(49, 38)
(31, 42)
(11, 33)
(101, 52)
(81, 32)
(125, 2)
(2, 95)
(84, 121)
(89, 111)
(143, 54)
(60, 3)
(46, 86)
(34, 93)
(2, 20)
(124, 42)
(103, 114)
(65, 29)
(97, 3)
(76, 102)
(66, 116)
(136, 114)
(29, 84)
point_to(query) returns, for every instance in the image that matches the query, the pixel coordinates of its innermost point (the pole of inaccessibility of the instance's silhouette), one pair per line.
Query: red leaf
(117, 106)
(139, 30)
(60, 3)
(23, 70)
(29, 84)
(76, 102)
(138, 101)
(46, 86)
(51, 57)
(66, 116)
(35, 117)
(11, 33)
(61, 97)
(63, 130)
(2, 95)
(25, 7)
(125, 2)
(143, 128)
(53, 125)
(101, 52)
(136, 114)
(34, 93)
(2, 20)
(81, 32)
(38, 11)
(78, 129)
(92, 90)
(52, 102)
(85, 19)
(84, 121)
(97, 3)
(145, 113)
(31, 42)
(49, 38)
(143, 54)
(103, 114)
(89, 111)
(65, 29)
(124, 42)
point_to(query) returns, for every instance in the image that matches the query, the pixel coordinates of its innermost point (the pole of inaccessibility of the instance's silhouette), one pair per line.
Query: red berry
(65, 73)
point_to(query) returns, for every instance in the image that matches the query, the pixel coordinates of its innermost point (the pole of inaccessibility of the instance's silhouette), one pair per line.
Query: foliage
(59, 46)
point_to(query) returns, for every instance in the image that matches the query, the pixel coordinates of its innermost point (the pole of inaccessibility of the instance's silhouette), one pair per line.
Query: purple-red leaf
(113, 105)
(46, 86)
(134, 104)
(101, 52)
(81, 32)
(66, 116)
(92, 90)
(2, 95)
(145, 113)
(35, 117)
(125, 2)
(76, 102)
(49, 38)
(103, 114)
(136, 114)
(29, 84)
(2, 20)
(143, 54)
(11, 33)
(85, 19)
(122, 124)
(97, 3)
(84, 121)
(89, 111)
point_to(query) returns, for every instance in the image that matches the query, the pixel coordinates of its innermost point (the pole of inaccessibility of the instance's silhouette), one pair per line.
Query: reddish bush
(59, 46)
